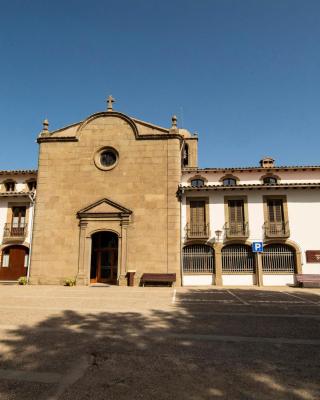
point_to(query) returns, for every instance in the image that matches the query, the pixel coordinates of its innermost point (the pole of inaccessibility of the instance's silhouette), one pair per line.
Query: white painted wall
(277, 279)
(238, 280)
(21, 186)
(3, 215)
(254, 177)
(198, 280)
(303, 211)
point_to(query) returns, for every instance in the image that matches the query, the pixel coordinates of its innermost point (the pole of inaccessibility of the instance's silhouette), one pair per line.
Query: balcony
(236, 230)
(197, 231)
(276, 230)
(14, 232)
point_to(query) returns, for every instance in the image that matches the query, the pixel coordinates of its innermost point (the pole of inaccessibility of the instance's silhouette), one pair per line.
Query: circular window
(106, 158)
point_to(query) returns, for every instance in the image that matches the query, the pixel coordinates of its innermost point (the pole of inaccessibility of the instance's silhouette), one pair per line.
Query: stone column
(123, 254)
(259, 272)
(298, 262)
(218, 263)
(82, 276)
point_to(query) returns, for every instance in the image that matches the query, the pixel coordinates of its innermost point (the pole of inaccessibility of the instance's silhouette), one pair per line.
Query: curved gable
(100, 119)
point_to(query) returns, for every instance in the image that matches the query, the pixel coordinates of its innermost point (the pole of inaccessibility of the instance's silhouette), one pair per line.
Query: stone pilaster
(218, 263)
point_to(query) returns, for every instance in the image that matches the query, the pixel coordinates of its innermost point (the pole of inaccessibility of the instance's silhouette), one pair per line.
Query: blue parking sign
(257, 247)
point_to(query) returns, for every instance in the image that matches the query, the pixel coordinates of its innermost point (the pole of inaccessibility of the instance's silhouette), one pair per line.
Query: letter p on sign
(257, 247)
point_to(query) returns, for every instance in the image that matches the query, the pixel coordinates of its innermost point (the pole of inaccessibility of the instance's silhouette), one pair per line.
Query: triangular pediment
(104, 207)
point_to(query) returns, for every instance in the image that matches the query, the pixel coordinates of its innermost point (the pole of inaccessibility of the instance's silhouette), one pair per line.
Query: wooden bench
(308, 280)
(158, 278)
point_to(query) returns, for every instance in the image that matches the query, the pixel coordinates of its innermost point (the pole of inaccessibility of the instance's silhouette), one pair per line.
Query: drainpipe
(32, 199)
(181, 193)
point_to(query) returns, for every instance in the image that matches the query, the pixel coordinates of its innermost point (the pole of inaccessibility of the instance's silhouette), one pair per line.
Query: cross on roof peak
(109, 102)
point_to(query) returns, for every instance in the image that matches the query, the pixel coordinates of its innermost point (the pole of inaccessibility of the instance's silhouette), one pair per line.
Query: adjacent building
(17, 193)
(226, 210)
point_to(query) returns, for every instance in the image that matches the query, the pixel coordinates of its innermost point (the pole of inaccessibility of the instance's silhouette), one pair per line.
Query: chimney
(267, 162)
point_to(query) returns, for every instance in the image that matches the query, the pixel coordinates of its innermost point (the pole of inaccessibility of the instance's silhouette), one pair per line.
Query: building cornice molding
(252, 169)
(250, 187)
(42, 139)
(19, 172)
(16, 194)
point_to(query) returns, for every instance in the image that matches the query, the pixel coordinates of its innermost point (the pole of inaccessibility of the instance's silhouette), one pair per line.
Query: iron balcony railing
(13, 231)
(200, 231)
(236, 230)
(276, 229)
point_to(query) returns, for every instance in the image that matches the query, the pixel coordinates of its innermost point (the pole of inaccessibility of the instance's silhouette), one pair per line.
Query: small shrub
(70, 282)
(22, 280)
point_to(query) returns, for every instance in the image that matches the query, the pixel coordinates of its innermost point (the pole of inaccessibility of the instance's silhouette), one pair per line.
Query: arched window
(278, 257)
(10, 186)
(185, 155)
(197, 182)
(198, 258)
(270, 180)
(32, 185)
(229, 182)
(237, 258)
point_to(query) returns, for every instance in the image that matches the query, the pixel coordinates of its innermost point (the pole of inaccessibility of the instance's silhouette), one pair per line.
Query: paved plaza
(159, 343)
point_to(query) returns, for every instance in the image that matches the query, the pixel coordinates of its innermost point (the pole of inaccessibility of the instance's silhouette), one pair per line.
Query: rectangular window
(276, 215)
(197, 212)
(26, 259)
(275, 210)
(197, 226)
(236, 217)
(18, 216)
(5, 260)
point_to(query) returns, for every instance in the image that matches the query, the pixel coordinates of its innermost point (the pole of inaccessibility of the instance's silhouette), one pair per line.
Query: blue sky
(243, 74)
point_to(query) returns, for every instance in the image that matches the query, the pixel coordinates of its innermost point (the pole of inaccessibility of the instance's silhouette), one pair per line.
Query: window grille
(278, 258)
(237, 258)
(198, 258)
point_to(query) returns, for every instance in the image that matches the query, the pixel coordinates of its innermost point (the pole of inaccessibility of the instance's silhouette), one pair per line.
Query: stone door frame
(115, 220)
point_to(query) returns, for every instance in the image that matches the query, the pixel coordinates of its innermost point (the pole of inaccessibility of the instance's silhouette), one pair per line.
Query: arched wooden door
(14, 263)
(104, 258)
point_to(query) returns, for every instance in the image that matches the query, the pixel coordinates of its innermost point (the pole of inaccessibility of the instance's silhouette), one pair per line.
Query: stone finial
(174, 120)
(45, 127)
(109, 103)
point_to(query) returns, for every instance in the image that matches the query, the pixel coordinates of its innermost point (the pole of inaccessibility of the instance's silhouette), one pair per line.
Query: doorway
(14, 262)
(104, 258)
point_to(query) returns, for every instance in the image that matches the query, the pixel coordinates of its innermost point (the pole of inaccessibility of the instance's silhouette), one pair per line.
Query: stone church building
(107, 199)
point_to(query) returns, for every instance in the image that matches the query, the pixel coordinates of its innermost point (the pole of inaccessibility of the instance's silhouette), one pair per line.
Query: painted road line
(205, 301)
(174, 296)
(244, 339)
(277, 302)
(238, 298)
(301, 298)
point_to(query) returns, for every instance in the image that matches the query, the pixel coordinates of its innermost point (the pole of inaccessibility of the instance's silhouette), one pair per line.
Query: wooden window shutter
(275, 210)
(236, 214)
(197, 212)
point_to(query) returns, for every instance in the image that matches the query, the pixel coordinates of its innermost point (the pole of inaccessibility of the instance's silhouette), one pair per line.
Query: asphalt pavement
(108, 342)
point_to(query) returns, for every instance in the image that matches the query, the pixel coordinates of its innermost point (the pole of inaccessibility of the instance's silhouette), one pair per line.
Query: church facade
(107, 200)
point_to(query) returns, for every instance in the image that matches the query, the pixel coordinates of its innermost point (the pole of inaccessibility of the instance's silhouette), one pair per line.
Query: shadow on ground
(186, 353)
